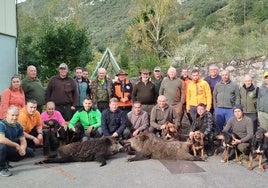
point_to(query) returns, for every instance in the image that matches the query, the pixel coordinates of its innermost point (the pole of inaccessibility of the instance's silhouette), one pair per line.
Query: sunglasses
(157, 71)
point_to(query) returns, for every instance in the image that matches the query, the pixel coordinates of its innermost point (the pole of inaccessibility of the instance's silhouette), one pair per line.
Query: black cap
(238, 106)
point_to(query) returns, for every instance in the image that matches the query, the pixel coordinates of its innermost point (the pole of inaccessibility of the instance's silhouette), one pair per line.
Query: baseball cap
(63, 65)
(157, 68)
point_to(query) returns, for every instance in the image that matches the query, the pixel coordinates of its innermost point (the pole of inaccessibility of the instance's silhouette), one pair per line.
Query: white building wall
(8, 36)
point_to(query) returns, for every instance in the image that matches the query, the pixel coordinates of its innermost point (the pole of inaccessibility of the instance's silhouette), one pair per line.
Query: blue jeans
(8, 153)
(222, 115)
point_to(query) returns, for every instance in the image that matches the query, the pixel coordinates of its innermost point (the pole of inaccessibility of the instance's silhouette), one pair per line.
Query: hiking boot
(5, 172)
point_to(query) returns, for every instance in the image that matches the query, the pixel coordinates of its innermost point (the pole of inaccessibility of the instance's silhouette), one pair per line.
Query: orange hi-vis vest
(122, 90)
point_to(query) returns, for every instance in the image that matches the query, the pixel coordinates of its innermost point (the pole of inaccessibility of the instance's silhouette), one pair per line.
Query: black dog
(258, 146)
(78, 134)
(227, 139)
(56, 130)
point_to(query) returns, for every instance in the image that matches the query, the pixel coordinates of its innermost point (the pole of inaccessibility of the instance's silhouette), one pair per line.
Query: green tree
(63, 43)
(148, 30)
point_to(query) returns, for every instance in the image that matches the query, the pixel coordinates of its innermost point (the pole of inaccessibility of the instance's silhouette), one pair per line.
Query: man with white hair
(161, 114)
(249, 94)
(172, 88)
(101, 90)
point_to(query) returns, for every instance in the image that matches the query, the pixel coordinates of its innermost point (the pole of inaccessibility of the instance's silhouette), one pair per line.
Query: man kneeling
(12, 141)
(89, 118)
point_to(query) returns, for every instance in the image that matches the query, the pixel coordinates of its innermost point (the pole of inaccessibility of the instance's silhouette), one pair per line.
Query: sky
(19, 1)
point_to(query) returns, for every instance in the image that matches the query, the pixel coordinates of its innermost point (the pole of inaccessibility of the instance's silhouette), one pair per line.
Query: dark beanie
(238, 106)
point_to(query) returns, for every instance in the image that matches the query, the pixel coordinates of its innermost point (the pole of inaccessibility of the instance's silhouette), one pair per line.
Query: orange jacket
(122, 90)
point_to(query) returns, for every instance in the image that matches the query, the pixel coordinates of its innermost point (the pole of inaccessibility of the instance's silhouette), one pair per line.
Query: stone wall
(255, 67)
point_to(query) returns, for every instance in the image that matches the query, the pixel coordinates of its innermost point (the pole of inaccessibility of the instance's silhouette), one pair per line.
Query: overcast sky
(19, 1)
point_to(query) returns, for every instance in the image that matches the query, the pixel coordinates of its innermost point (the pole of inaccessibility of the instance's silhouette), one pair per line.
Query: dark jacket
(204, 124)
(62, 91)
(144, 93)
(113, 122)
(249, 98)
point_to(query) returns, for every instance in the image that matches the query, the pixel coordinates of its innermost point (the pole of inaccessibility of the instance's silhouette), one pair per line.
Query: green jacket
(86, 118)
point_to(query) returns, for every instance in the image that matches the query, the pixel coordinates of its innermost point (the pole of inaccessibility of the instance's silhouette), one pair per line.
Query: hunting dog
(56, 131)
(227, 139)
(198, 144)
(258, 146)
(170, 132)
(78, 134)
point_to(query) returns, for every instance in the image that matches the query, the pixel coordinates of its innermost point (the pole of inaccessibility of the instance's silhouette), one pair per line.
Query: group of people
(123, 108)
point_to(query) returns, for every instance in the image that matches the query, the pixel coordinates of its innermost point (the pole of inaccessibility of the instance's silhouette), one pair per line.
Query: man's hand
(163, 126)
(89, 130)
(38, 140)
(115, 134)
(236, 141)
(136, 132)
(20, 150)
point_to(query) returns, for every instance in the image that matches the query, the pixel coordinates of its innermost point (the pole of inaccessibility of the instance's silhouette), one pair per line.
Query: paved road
(141, 174)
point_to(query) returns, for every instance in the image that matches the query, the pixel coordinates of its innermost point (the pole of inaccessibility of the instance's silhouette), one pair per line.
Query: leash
(57, 169)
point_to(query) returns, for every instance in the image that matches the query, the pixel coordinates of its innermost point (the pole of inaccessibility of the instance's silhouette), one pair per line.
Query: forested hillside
(143, 33)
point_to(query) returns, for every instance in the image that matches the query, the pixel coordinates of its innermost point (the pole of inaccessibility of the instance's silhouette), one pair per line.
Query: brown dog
(198, 144)
(170, 132)
(258, 146)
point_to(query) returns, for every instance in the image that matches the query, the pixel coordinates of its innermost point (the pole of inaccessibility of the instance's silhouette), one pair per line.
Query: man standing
(186, 80)
(89, 118)
(243, 127)
(113, 120)
(156, 79)
(12, 141)
(101, 90)
(198, 91)
(262, 104)
(122, 89)
(138, 121)
(161, 114)
(212, 79)
(144, 91)
(30, 120)
(173, 89)
(82, 87)
(62, 91)
(249, 94)
(33, 88)
(225, 96)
